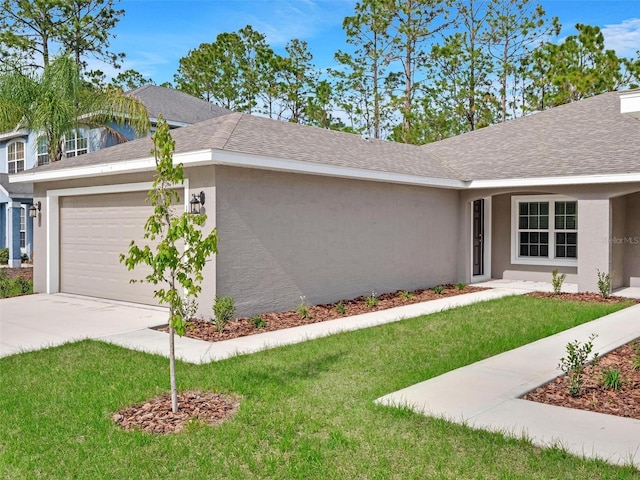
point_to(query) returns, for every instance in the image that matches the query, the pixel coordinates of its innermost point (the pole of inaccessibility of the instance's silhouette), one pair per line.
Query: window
(75, 144)
(545, 230)
(42, 153)
(23, 227)
(15, 157)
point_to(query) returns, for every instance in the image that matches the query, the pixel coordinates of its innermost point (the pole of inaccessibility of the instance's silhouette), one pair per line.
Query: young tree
(58, 101)
(180, 250)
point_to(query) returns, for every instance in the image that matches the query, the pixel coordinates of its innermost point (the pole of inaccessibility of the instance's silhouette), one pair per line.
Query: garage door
(94, 231)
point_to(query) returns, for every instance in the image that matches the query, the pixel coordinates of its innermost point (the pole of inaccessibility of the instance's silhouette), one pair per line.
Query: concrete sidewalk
(485, 395)
(198, 351)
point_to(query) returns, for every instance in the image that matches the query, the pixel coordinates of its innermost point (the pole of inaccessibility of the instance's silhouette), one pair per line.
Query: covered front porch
(522, 235)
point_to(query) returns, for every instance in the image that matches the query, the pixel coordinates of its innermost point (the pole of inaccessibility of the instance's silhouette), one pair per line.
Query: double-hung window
(15, 157)
(42, 152)
(75, 144)
(544, 230)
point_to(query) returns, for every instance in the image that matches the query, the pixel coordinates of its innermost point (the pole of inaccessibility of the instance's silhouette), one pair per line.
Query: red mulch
(155, 416)
(595, 397)
(583, 297)
(24, 272)
(241, 327)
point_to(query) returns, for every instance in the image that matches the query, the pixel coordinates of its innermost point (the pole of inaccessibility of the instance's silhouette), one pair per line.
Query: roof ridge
(230, 122)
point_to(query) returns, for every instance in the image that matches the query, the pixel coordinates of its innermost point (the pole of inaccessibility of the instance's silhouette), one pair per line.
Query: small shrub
(223, 311)
(557, 280)
(611, 378)
(4, 256)
(302, 309)
(604, 283)
(575, 362)
(371, 301)
(340, 308)
(438, 289)
(636, 357)
(461, 285)
(406, 295)
(25, 286)
(257, 321)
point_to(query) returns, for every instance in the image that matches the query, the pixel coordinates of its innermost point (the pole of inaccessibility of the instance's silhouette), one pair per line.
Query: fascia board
(130, 166)
(556, 181)
(234, 159)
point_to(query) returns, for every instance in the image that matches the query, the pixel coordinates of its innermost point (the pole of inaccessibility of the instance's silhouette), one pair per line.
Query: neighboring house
(23, 149)
(303, 211)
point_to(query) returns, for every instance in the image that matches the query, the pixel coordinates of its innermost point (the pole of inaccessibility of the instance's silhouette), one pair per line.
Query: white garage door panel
(94, 231)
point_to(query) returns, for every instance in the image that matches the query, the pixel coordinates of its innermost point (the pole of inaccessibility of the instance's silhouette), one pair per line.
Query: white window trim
(43, 140)
(78, 134)
(24, 155)
(551, 261)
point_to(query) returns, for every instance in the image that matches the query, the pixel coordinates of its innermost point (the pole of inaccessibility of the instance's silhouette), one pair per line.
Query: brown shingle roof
(590, 137)
(263, 137)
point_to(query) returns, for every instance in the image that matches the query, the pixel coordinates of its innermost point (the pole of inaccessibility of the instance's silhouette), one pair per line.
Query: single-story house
(303, 211)
(23, 149)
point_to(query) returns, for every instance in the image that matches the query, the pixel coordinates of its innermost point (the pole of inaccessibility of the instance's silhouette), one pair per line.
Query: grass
(307, 410)
(12, 287)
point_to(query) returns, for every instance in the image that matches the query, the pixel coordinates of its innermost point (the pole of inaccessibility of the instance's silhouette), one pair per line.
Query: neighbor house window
(23, 227)
(75, 144)
(42, 153)
(545, 230)
(15, 157)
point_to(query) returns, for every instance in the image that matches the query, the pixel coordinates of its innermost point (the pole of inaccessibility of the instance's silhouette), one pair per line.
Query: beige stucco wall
(501, 266)
(631, 240)
(285, 235)
(618, 247)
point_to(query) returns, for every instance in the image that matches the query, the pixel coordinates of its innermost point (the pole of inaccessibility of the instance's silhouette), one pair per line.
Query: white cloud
(623, 37)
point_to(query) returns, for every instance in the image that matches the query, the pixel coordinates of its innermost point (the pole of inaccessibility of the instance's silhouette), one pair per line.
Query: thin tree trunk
(172, 369)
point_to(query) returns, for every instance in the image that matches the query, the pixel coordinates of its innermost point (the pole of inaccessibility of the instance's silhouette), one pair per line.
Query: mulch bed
(155, 416)
(241, 327)
(595, 397)
(24, 272)
(583, 297)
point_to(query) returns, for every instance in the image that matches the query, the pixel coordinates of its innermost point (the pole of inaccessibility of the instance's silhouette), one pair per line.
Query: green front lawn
(307, 409)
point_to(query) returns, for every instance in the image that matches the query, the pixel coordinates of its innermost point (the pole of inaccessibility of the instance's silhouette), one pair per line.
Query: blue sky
(155, 34)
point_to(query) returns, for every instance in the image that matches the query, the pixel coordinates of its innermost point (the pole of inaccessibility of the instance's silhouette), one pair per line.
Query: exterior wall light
(196, 202)
(34, 209)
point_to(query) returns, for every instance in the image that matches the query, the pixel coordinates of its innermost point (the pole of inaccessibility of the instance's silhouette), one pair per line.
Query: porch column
(594, 246)
(13, 235)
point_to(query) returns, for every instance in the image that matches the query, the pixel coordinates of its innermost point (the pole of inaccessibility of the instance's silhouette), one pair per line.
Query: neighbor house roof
(15, 190)
(176, 106)
(257, 138)
(589, 137)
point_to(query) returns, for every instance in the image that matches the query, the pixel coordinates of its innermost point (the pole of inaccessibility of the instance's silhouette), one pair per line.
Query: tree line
(412, 71)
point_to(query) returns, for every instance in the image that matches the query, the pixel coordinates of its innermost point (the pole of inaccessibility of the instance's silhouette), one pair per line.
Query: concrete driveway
(32, 322)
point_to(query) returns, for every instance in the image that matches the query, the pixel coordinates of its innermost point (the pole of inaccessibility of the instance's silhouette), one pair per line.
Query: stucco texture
(283, 236)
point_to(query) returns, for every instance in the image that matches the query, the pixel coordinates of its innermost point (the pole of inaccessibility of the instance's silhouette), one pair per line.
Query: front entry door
(478, 237)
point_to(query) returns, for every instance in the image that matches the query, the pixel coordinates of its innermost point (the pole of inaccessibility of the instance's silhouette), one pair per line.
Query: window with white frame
(23, 227)
(544, 230)
(75, 144)
(42, 152)
(15, 157)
